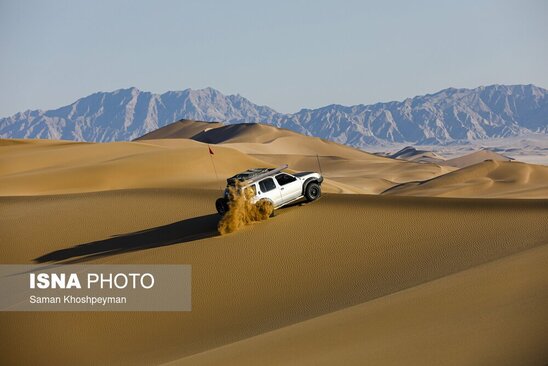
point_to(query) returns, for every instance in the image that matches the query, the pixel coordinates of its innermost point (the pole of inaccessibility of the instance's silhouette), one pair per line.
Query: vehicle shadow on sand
(184, 231)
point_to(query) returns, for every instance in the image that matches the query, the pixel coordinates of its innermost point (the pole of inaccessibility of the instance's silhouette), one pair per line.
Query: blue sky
(285, 54)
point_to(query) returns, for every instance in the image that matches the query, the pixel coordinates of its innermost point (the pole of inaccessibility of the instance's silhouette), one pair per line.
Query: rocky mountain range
(448, 116)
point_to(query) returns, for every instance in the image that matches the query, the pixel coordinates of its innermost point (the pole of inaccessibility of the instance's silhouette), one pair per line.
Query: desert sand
(351, 250)
(467, 303)
(350, 279)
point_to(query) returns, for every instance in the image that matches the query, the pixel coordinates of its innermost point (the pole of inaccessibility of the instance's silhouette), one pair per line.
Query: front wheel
(221, 205)
(312, 192)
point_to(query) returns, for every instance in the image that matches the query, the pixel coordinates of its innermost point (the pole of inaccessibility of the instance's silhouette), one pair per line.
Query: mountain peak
(130, 90)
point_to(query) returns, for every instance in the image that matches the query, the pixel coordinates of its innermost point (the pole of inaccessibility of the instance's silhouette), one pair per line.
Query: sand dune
(419, 156)
(475, 158)
(53, 167)
(217, 132)
(159, 160)
(351, 250)
(183, 129)
(489, 179)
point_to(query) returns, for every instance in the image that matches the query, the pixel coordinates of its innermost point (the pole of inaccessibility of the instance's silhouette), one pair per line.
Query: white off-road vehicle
(274, 185)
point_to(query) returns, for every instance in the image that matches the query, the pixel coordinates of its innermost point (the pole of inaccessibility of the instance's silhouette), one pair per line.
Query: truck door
(268, 189)
(290, 187)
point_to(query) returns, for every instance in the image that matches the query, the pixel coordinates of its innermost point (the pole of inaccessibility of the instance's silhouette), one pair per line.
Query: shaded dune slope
(183, 129)
(243, 132)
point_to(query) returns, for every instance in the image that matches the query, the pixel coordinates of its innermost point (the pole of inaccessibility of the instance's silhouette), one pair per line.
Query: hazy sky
(287, 55)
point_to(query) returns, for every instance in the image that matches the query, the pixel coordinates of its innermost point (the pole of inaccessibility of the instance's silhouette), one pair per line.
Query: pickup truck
(272, 184)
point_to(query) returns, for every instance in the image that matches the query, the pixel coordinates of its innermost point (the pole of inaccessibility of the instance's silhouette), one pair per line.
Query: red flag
(210, 151)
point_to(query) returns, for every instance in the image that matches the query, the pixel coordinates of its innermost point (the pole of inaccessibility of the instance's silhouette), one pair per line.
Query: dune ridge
(475, 158)
(182, 129)
(489, 179)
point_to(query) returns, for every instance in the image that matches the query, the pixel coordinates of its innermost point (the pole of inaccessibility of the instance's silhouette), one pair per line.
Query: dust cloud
(242, 211)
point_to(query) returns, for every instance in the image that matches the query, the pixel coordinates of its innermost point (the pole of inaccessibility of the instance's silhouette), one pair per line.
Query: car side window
(267, 185)
(251, 190)
(283, 179)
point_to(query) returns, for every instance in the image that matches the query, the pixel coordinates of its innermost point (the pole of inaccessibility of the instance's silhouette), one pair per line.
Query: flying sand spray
(242, 211)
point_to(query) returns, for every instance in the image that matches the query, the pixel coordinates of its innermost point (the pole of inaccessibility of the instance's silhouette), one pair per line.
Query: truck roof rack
(253, 175)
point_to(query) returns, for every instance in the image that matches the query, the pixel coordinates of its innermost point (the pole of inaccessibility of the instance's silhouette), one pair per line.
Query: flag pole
(214, 168)
(319, 165)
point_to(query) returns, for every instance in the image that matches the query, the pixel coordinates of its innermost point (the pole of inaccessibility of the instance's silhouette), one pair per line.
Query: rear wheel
(221, 205)
(265, 208)
(312, 192)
